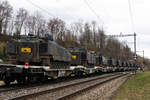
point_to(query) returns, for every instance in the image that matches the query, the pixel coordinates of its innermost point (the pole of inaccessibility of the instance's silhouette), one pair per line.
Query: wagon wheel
(7, 81)
(20, 81)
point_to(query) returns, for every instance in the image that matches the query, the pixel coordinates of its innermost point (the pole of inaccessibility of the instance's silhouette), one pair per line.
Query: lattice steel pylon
(127, 35)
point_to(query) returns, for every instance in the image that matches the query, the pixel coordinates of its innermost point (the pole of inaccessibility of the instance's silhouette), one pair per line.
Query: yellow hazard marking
(26, 50)
(74, 57)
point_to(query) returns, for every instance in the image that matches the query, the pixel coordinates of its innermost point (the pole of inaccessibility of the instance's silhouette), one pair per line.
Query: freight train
(32, 59)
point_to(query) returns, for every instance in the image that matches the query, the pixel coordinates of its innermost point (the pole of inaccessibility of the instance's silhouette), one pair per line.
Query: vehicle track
(58, 91)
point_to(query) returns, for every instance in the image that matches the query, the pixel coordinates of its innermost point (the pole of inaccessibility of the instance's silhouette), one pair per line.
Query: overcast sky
(114, 15)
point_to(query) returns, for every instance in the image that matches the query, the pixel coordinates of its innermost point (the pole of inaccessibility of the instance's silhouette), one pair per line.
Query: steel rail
(60, 87)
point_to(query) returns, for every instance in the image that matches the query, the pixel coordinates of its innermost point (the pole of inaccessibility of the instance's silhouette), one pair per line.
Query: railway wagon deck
(22, 73)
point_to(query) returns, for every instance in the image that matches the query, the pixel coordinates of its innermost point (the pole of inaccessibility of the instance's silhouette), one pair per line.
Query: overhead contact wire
(35, 5)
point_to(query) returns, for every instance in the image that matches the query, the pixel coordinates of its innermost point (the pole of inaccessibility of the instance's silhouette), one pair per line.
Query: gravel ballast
(102, 92)
(10, 94)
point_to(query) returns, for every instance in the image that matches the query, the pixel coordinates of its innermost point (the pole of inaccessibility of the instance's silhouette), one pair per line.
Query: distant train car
(79, 60)
(124, 65)
(114, 64)
(82, 59)
(128, 65)
(79, 56)
(119, 65)
(99, 64)
(91, 58)
(132, 65)
(106, 63)
(98, 59)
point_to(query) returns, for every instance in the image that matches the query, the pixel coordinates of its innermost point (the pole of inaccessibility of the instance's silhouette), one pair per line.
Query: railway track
(63, 90)
(75, 93)
(11, 87)
(18, 87)
(4, 88)
(15, 87)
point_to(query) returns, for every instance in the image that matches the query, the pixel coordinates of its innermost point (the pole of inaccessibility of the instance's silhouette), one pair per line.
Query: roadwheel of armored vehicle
(19, 81)
(7, 80)
(31, 79)
(23, 80)
(80, 74)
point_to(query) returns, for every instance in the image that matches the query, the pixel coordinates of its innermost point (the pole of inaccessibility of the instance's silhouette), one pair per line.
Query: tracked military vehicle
(38, 51)
(32, 58)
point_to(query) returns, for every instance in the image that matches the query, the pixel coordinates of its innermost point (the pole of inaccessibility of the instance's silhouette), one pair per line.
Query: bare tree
(94, 33)
(5, 16)
(40, 24)
(100, 40)
(57, 28)
(20, 19)
(11, 26)
(77, 28)
(85, 37)
(29, 25)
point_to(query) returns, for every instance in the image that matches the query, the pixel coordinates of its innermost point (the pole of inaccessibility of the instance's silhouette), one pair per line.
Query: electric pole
(135, 56)
(127, 35)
